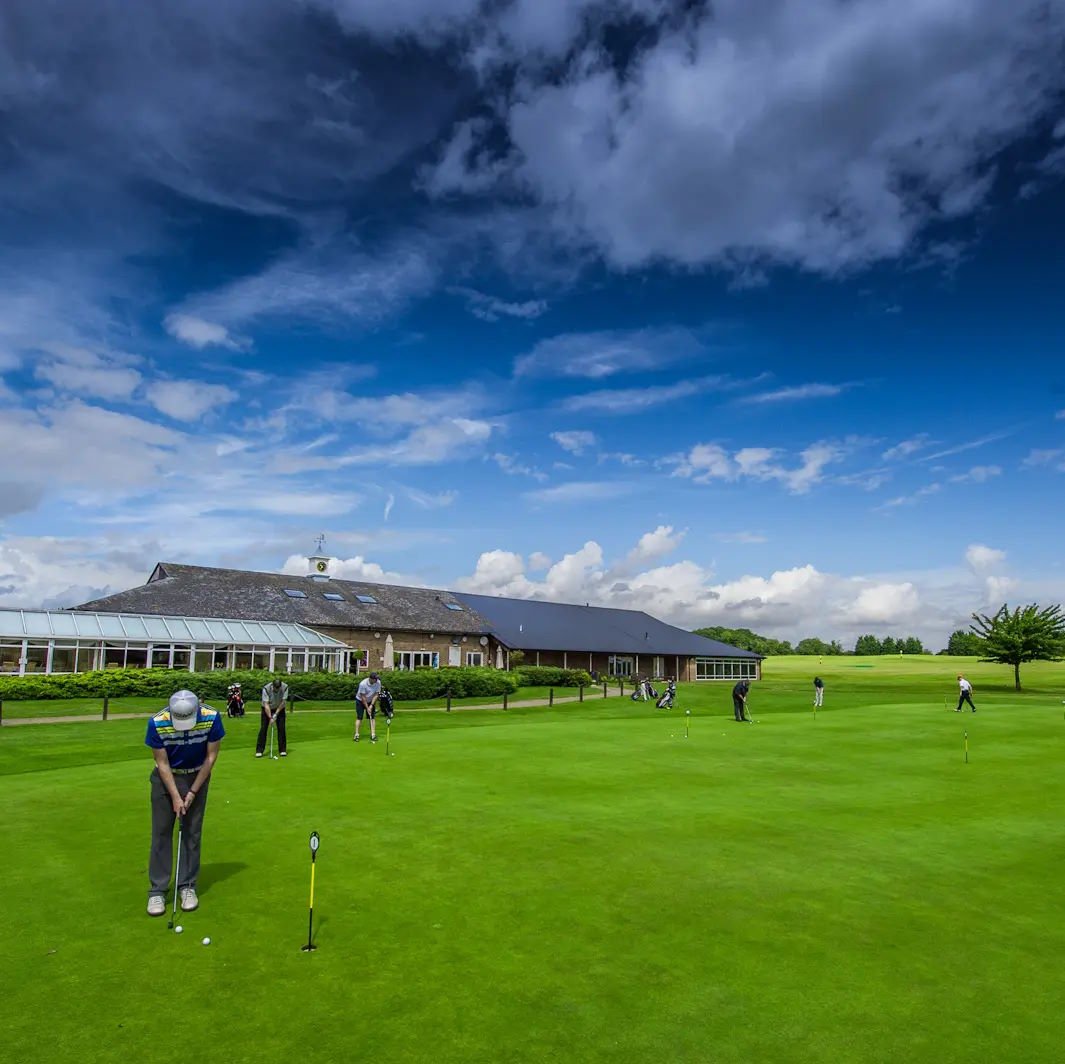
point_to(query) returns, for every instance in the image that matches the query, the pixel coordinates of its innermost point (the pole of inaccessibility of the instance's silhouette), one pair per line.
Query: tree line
(1007, 637)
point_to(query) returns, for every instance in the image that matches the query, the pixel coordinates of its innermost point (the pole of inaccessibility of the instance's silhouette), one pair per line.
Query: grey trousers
(161, 859)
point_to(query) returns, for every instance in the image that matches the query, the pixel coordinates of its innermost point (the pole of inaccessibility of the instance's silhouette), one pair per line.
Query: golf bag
(384, 700)
(651, 692)
(666, 701)
(234, 701)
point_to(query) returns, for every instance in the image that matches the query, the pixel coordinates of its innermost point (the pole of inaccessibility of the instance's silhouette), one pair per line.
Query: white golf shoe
(156, 905)
(189, 901)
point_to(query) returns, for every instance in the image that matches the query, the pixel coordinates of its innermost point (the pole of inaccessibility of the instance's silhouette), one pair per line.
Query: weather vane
(319, 541)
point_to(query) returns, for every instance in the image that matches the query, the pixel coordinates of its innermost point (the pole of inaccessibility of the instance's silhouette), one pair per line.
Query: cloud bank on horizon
(739, 311)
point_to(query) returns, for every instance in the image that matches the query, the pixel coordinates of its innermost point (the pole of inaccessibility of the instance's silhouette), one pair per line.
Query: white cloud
(427, 445)
(980, 557)
(652, 545)
(431, 500)
(633, 400)
(597, 355)
(911, 500)
(510, 465)
(876, 118)
(797, 393)
(1044, 457)
(577, 492)
(905, 448)
(885, 604)
(74, 370)
(489, 308)
(199, 334)
(538, 561)
(187, 401)
(576, 442)
(741, 537)
(978, 475)
(389, 503)
(706, 462)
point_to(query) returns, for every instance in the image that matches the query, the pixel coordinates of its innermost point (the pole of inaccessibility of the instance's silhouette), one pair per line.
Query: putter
(272, 729)
(747, 714)
(177, 875)
(687, 721)
(310, 915)
(388, 735)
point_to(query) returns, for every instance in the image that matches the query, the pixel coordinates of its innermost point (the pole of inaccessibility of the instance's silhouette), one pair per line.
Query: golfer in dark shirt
(739, 700)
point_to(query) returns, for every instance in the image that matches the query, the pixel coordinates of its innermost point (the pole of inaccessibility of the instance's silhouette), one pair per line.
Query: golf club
(388, 736)
(687, 721)
(747, 714)
(177, 874)
(310, 915)
(271, 730)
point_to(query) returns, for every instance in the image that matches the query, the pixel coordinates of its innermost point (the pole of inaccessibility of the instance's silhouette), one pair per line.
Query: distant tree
(812, 646)
(888, 646)
(1026, 634)
(835, 647)
(912, 645)
(745, 639)
(965, 644)
(867, 645)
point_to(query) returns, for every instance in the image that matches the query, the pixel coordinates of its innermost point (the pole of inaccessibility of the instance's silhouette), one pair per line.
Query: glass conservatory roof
(143, 628)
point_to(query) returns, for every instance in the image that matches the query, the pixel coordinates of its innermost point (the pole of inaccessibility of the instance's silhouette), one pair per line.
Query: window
(726, 669)
(293, 593)
(453, 606)
(368, 599)
(619, 666)
(475, 658)
(332, 596)
(418, 659)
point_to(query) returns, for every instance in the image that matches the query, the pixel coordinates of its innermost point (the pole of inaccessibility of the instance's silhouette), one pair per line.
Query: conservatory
(64, 641)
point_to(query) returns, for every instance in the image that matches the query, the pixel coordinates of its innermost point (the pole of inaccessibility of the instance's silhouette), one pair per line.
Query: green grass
(569, 884)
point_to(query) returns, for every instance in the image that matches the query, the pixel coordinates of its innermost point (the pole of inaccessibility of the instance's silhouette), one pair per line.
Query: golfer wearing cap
(184, 740)
(366, 704)
(274, 697)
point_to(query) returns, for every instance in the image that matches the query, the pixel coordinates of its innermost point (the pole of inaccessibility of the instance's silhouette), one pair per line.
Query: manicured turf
(577, 884)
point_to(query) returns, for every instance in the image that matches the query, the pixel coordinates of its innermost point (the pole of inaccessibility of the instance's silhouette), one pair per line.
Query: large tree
(1027, 634)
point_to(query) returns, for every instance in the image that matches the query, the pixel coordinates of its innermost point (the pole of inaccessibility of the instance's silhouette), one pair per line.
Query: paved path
(86, 719)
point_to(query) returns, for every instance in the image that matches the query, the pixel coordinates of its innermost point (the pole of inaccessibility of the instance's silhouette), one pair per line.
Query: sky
(745, 313)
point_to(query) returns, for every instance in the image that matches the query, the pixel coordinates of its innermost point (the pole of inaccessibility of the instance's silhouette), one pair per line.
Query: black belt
(184, 771)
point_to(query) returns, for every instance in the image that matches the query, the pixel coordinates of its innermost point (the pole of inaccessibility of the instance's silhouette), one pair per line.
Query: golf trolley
(666, 701)
(234, 701)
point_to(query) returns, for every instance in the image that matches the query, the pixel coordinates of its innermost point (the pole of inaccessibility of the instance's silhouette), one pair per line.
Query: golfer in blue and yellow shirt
(184, 740)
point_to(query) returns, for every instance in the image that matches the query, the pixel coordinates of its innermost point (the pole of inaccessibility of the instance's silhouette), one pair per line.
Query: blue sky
(743, 313)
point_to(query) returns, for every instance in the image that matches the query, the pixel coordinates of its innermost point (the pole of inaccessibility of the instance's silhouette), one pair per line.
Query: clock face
(320, 567)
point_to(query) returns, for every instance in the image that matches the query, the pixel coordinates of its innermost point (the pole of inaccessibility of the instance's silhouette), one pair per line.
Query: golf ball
(178, 929)
(206, 941)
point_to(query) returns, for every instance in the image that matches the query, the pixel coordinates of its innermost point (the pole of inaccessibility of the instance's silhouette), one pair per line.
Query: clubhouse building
(202, 618)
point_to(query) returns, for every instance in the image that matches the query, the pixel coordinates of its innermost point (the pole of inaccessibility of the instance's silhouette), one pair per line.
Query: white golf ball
(206, 941)
(178, 929)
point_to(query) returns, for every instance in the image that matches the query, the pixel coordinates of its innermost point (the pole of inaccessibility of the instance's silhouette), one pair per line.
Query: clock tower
(319, 562)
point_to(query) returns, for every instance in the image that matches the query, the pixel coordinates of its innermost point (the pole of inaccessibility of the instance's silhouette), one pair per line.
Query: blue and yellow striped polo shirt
(185, 749)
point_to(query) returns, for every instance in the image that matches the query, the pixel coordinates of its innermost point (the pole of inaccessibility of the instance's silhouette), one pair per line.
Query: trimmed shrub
(212, 686)
(551, 676)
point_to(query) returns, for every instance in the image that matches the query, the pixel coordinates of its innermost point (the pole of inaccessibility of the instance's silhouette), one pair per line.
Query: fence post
(580, 693)
(449, 700)
(505, 701)
(550, 696)
(604, 688)
(106, 701)
(621, 687)
(291, 706)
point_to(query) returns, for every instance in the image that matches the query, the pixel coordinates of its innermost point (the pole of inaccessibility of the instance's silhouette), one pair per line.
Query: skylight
(332, 596)
(453, 606)
(367, 598)
(293, 593)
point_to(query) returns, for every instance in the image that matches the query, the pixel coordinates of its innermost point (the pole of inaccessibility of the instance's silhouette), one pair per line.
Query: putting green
(575, 884)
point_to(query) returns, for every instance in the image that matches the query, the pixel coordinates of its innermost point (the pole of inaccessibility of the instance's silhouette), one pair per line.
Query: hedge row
(212, 686)
(550, 676)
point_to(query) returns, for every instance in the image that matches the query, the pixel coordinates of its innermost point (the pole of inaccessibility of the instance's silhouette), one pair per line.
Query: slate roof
(526, 624)
(175, 589)
(200, 591)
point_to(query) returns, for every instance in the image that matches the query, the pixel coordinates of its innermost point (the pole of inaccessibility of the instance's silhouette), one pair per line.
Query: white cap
(183, 709)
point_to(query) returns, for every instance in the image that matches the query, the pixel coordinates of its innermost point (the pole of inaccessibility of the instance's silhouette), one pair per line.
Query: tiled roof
(200, 591)
(521, 624)
(526, 624)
